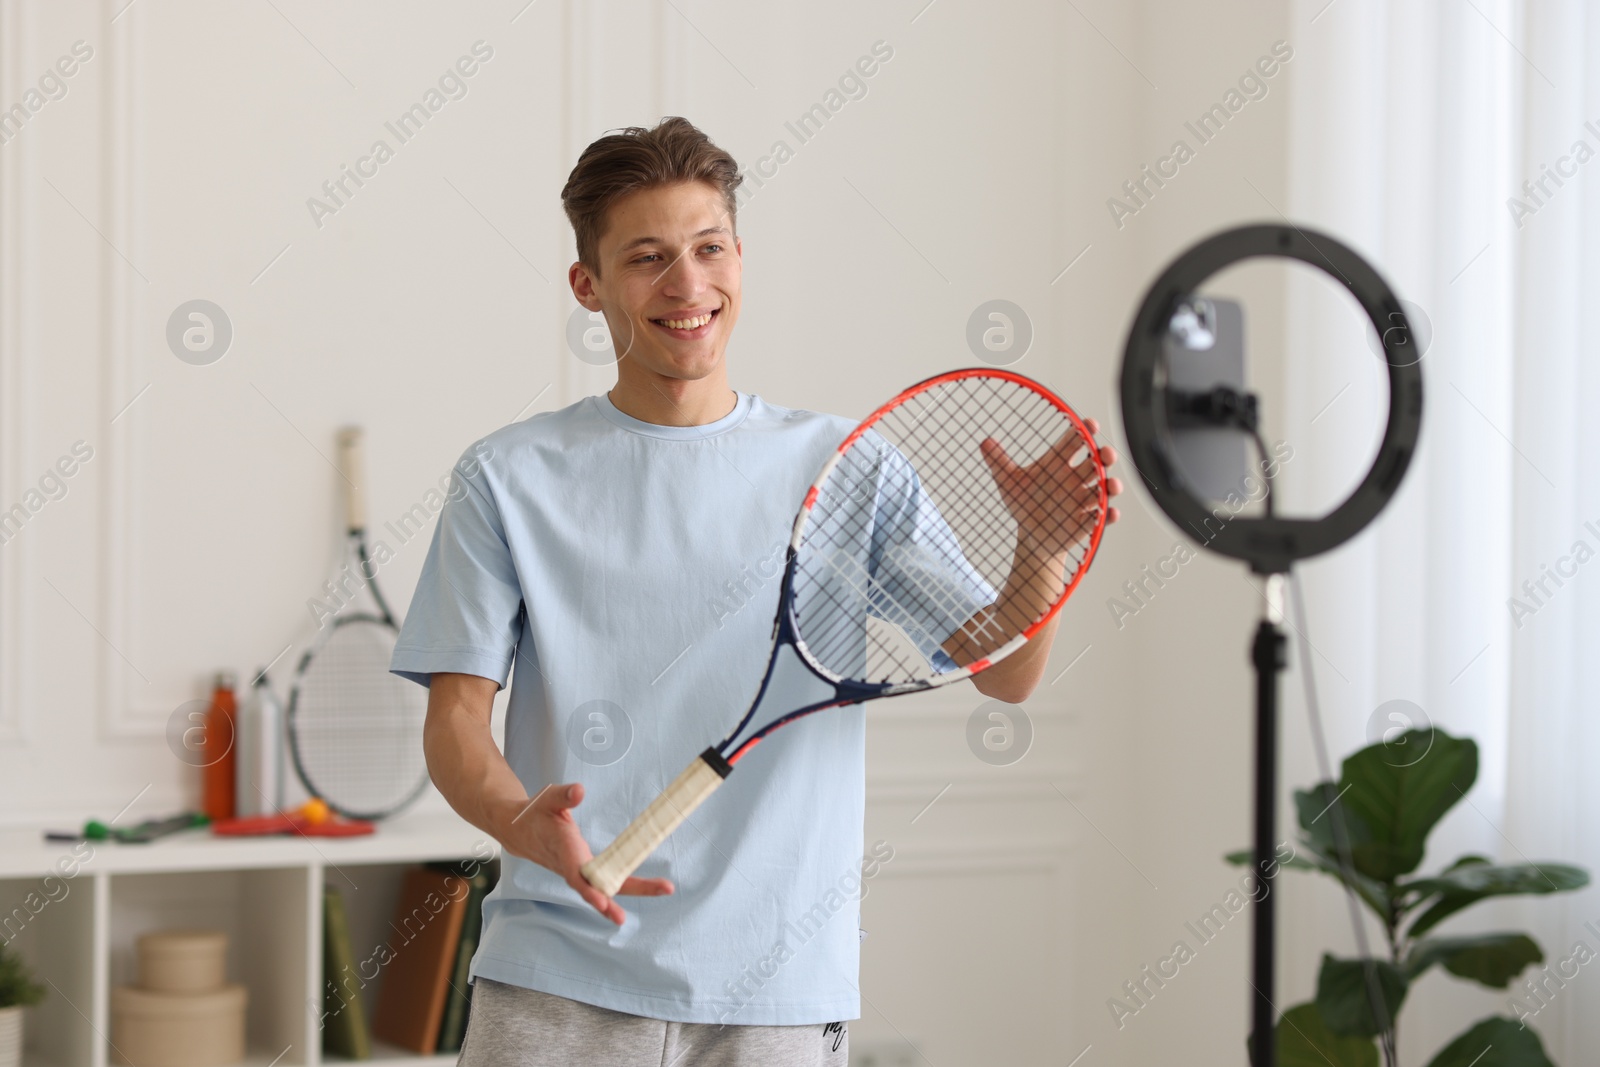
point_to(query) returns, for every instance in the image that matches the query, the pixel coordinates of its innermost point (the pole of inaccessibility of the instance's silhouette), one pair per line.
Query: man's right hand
(545, 832)
(472, 773)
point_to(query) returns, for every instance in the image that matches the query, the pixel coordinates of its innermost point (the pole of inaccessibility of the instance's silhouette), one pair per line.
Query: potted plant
(17, 989)
(1391, 795)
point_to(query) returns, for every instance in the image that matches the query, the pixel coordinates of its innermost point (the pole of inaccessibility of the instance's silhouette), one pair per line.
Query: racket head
(252, 826)
(335, 828)
(915, 525)
(355, 729)
(282, 823)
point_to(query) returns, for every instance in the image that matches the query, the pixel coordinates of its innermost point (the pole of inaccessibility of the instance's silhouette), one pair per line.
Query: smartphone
(1204, 348)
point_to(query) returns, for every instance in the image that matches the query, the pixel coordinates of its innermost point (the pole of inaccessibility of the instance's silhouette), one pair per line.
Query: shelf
(79, 925)
(267, 917)
(382, 1056)
(388, 1056)
(25, 854)
(261, 1056)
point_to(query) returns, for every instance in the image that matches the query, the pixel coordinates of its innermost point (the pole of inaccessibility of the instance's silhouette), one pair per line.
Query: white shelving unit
(78, 931)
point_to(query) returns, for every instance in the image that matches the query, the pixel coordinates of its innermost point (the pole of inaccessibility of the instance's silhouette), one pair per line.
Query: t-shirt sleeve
(464, 617)
(923, 582)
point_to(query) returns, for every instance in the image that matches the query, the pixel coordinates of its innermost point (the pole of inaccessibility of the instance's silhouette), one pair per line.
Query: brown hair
(634, 159)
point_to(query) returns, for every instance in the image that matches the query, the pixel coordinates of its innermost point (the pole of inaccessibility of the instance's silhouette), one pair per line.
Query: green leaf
(1304, 1041)
(1374, 893)
(17, 985)
(1315, 809)
(1342, 996)
(1398, 791)
(1488, 959)
(1495, 1042)
(1469, 860)
(1464, 884)
(1307, 858)
(1245, 857)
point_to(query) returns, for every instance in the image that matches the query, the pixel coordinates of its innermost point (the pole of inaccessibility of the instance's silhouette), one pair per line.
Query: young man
(624, 553)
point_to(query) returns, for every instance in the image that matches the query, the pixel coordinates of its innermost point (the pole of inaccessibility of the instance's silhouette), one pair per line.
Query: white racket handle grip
(350, 465)
(607, 871)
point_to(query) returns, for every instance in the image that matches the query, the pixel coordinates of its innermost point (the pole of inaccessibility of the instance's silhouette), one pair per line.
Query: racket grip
(607, 871)
(351, 466)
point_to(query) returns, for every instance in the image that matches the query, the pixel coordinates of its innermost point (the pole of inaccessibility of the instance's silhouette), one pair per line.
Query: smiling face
(670, 269)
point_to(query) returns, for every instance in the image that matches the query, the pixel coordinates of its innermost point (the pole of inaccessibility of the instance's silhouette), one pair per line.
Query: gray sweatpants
(515, 1027)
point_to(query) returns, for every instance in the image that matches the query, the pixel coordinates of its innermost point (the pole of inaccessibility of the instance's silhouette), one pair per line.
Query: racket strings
(1030, 441)
(857, 593)
(913, 548)
(357, 727)
(900, 484)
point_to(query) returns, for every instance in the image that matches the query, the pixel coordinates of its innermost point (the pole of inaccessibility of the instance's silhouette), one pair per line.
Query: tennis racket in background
(943, 534)
(355, 730)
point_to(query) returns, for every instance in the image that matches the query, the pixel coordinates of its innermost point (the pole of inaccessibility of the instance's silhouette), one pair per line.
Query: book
(418, 959)
(480, 878)
(344, 1019)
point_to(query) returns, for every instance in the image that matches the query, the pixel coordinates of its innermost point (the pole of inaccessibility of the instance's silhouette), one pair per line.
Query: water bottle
(219, 774)
(261, 751)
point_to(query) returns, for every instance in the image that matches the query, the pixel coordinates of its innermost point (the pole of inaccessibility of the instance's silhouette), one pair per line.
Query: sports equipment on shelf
(355, 730)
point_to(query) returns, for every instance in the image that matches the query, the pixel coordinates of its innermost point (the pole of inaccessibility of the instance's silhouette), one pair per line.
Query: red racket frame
(785, 628)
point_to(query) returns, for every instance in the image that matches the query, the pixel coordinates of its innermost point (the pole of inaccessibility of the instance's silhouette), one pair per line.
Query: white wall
(431, 309)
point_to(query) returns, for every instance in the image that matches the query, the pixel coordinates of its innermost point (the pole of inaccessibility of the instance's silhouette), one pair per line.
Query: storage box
(183, 961)
(177, 1029)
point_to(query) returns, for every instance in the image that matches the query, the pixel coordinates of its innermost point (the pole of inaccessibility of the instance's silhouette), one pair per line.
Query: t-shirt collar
(741, 409)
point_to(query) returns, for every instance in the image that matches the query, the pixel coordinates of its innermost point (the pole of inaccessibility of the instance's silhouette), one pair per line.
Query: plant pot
(11, 1036)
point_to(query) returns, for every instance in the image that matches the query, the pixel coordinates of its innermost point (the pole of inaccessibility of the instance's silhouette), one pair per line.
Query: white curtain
(1413, 124)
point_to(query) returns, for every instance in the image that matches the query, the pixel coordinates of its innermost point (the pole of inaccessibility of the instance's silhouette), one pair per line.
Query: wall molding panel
(15, 232)
(129, 707)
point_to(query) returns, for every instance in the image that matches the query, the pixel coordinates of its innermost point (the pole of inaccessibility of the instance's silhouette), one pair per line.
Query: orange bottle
(217, 782)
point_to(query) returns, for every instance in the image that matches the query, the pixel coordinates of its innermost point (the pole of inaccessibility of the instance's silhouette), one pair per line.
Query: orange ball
(316, 811)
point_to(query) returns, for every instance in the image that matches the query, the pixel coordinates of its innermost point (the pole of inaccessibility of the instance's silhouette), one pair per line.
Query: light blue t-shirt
(630, 573)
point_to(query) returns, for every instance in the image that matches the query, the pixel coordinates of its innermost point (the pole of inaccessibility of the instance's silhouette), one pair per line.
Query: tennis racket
(944, 533)
(309, 820)
(355, 730)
